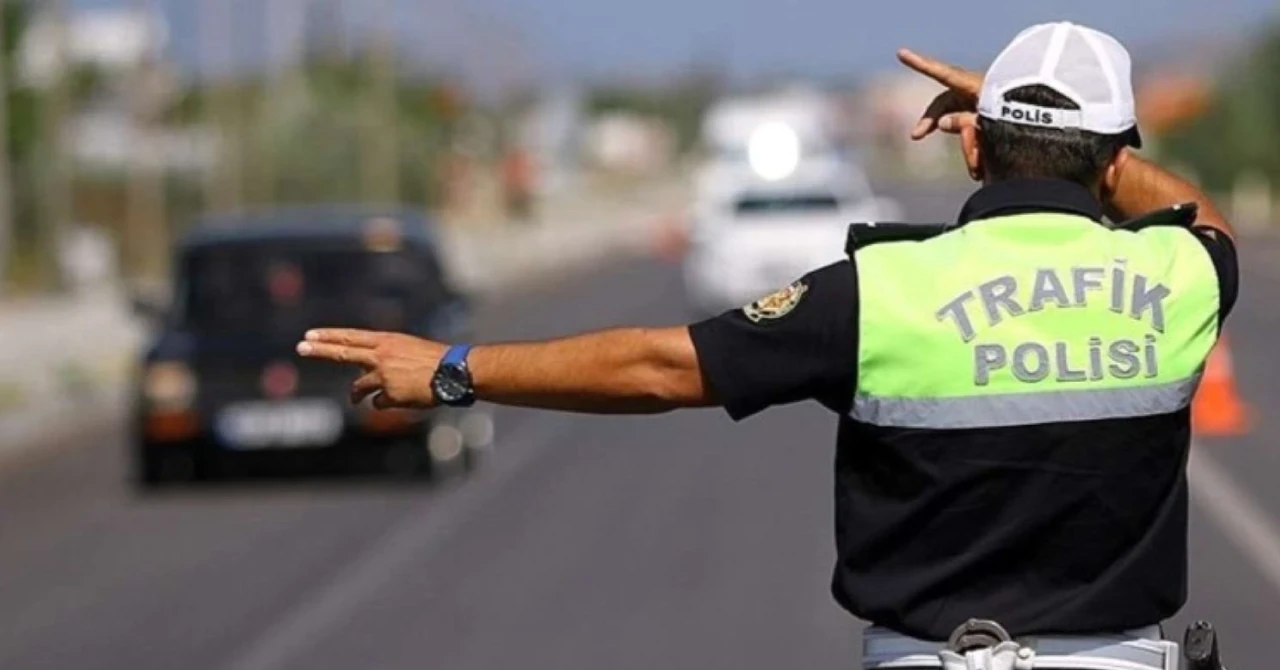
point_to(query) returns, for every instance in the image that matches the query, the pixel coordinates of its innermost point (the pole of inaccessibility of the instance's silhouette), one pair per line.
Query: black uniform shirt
(807, 349)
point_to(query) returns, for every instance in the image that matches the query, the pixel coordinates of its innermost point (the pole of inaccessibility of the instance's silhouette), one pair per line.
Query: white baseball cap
(1089, 67)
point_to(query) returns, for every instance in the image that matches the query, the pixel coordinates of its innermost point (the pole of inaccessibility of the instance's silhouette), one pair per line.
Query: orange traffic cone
(1217, 409)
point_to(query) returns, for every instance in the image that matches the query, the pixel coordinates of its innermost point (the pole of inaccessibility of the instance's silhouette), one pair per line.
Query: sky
(829, 36)
(573, 38)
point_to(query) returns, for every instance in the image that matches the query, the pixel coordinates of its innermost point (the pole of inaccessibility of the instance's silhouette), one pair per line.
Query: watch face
(452, 384)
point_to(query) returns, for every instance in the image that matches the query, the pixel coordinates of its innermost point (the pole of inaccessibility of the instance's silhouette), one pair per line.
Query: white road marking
(426, 525)
(1243, 521)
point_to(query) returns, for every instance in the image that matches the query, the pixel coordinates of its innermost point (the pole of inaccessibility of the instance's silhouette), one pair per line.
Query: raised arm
(1140, 187)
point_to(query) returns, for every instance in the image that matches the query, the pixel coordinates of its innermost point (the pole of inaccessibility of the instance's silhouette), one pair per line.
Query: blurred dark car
(221, 392)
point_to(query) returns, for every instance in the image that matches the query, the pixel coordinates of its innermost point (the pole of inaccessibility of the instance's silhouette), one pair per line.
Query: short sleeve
(1222, 251)
(800, 343)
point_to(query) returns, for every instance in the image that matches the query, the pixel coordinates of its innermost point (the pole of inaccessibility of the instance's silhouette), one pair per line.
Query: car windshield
(283, 288)
(812, 203)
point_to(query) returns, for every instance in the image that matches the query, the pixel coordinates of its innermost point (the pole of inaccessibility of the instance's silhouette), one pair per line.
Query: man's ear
(969, 147)
(1111, 176)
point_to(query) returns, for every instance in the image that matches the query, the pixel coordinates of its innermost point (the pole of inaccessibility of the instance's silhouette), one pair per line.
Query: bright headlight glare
(774, 151)
(170, 385)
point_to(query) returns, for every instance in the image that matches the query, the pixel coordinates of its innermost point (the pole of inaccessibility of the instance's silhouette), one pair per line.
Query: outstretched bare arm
(619, 371)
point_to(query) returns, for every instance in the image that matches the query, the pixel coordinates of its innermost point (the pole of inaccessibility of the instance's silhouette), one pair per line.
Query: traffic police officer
(1013, 393)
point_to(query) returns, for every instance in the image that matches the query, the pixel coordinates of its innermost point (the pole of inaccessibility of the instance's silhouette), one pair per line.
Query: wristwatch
(452, 382)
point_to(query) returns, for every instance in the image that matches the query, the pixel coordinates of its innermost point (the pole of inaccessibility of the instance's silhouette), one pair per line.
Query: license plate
(267, 425)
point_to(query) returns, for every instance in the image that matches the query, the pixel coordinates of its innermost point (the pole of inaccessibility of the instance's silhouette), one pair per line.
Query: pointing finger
(338, 353)
(929, 67)
(345, 336)
(948, 75)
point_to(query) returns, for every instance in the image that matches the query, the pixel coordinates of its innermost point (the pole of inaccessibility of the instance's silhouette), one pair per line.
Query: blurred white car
(753, 232)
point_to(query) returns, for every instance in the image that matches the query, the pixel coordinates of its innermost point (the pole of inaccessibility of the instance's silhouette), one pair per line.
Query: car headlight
(169, 385)
(774, 151)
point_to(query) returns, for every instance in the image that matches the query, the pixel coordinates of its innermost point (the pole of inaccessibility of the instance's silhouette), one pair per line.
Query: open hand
(954, 108)
(397, 368)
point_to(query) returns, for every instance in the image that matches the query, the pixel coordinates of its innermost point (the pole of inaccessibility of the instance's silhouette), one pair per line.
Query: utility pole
(146, 243)
(223, 183)
(57, 193)
(6, 170)
(382, 157)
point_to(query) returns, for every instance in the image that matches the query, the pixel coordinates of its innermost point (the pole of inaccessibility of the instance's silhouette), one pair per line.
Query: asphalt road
(681, 541)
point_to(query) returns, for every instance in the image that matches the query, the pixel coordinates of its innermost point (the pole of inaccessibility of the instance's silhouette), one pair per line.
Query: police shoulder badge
(777, 304)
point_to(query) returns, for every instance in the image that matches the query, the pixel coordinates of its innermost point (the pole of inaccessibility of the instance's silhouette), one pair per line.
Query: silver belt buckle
(977, 634)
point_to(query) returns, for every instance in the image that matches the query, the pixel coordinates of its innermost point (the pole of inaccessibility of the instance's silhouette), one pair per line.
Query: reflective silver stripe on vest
(1024, 409)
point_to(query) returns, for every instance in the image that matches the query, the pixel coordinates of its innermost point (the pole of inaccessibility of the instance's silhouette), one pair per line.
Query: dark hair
(1011, 151)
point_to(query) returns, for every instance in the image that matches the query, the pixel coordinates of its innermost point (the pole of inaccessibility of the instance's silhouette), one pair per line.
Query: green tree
(1241, 129)
(303, 135)
(23, 137)
(28, 131)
